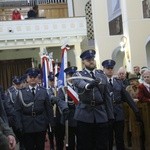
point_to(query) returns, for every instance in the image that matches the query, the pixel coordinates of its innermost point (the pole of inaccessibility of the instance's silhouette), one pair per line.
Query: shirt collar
(90, 70)
(109, 79)
(30, 87)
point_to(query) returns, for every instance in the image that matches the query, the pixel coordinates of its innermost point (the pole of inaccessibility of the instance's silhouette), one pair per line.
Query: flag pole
(66, 97)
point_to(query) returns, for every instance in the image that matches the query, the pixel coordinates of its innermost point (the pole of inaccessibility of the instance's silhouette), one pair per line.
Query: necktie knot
(92, 74)
(33, 91)
(110, 82)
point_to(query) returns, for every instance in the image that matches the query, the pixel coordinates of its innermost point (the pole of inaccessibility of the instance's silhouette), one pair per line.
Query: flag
(62, 76)
(47, 66)
(73, 95)
(45, 71)
(51, 62)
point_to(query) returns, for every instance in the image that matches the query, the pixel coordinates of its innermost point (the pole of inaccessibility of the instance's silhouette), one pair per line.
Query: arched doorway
(148, 51)
(118, 56)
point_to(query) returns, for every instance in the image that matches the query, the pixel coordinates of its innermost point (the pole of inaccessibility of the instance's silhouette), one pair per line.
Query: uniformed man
(72, 125)
(9, 102)
(11, 94)
(7, 136)
(95, 108)
(119, 95)
(33, 112)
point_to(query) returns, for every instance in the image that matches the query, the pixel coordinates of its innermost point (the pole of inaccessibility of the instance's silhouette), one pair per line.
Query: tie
(92, 74)
(110, 82)
(33, 91)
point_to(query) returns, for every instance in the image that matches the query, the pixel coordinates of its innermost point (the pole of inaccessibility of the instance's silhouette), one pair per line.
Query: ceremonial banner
(73, 95)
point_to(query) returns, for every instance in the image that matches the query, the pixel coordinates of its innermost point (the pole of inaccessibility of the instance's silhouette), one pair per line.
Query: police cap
(88, 54)
(109, 63)
(33, 72)
(70, 70)
(16, 80)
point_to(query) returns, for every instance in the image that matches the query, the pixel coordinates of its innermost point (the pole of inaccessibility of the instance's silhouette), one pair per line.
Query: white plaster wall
(136, 29)
(79, 7)
(104, 44)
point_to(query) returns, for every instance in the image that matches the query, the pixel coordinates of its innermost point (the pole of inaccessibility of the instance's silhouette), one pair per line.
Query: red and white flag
(73, 95)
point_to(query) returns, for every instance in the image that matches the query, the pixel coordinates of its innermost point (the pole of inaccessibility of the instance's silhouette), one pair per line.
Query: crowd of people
(29, 111)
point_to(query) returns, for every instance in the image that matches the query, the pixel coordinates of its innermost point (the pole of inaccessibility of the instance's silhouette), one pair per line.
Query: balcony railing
(40, 31)
(20, 3)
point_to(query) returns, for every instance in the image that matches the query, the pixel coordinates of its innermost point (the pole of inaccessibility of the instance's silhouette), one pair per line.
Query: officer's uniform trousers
(119, 95)
(33, 113)
(72, 123)
(93, 113)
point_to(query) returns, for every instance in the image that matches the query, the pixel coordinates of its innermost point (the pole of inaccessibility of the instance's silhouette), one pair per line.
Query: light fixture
(123, 42)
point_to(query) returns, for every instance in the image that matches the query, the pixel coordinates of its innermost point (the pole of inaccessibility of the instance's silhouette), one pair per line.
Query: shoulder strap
(21, 98)
(10, 94)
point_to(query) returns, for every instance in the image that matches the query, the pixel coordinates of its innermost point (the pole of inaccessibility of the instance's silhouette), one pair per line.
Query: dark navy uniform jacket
(120, 95)
(103, 110)
(34, 118)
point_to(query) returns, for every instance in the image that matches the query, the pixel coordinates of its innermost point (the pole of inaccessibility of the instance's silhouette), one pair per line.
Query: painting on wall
(146, 8)
(114, 17)
(115, 26)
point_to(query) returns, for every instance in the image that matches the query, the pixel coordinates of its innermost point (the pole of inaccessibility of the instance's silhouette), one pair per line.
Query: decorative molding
(33, 33)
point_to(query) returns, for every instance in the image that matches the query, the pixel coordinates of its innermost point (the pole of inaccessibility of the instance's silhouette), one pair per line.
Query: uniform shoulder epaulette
(100, 71)
(78, 73)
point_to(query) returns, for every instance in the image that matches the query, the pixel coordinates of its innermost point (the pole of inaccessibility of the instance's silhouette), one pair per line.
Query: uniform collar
(89, 71)
(30, 87)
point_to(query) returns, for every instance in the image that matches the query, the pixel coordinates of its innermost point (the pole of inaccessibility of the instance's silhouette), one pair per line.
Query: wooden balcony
(51, 10)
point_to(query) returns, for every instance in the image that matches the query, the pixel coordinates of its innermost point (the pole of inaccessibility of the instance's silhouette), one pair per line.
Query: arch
(147, 47)
(118, 56)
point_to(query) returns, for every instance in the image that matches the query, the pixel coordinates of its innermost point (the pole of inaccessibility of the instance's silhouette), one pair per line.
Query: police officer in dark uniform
(11, 94)
(119, 95)
(33, 112)
(7, 136)
(72, 124)
(11, 97)
(95, 108)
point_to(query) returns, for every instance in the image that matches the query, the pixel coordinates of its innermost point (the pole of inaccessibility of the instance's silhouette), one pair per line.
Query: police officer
(72, 131)
(33, 112)
(7, 136)
(119, 95)
(10, 100)
(95, 108)
(12, 91)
